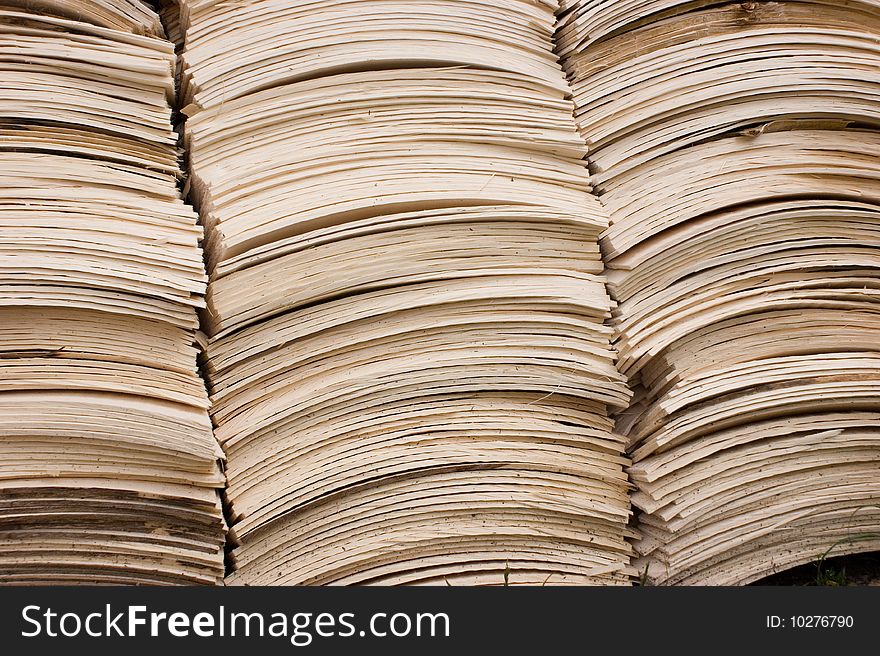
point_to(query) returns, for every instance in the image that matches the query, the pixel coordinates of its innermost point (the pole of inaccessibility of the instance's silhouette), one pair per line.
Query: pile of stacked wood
(109, 471)
(736, 149)
(407, 334)
(409, 370)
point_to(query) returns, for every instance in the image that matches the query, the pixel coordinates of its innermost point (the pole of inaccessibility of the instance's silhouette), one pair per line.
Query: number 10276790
(810, 622)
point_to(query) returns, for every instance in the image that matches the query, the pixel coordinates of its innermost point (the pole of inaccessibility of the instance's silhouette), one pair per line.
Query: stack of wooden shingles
(109, 471)
(736, 149)
(409, 369)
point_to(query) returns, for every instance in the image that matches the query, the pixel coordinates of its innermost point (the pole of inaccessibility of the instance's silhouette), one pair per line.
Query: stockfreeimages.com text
(300, 628)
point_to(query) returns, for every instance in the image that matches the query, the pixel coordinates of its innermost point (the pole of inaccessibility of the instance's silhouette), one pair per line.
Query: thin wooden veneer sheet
(109, 470)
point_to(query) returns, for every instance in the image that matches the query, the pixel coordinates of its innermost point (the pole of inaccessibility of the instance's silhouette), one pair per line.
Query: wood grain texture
(109, 470)
(408, 366)
(735, 148)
